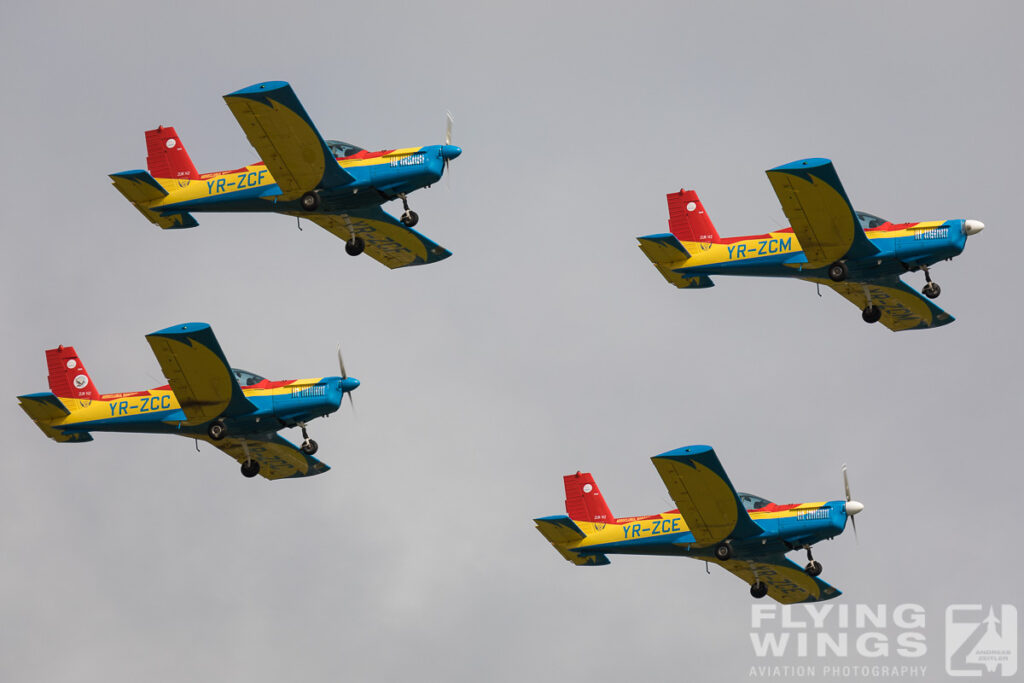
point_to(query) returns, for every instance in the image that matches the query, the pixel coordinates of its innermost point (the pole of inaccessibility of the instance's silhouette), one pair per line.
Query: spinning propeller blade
(344, 376)
(852, 506)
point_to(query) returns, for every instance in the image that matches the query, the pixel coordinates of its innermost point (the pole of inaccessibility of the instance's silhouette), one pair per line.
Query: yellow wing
(786, 582)
(385, 238)
(704, 495)
(278, 458)
(194, 365)
(902, 307)
(817, 207)
(284, 136)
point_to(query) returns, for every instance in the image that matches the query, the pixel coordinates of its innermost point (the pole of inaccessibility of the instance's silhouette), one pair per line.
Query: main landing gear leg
(930, 289)
(309, 447)
(409, 218)
(813, 567)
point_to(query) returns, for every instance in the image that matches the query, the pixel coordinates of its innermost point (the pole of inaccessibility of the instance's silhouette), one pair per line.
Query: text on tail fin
(166, 156)
(687, 219)
(583, 500)
(68, 378)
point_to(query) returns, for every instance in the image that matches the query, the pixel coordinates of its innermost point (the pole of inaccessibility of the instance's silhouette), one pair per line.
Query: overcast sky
(546, 344)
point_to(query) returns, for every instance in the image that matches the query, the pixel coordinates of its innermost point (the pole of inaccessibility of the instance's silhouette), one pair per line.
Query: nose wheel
(309, 447)
(409, 217)
(758, 589)
(930, 289)
(813, 567)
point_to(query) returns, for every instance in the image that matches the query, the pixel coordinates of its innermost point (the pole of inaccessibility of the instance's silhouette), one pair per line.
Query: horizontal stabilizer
(44, 408)
(668, 255)
(562, 532)
(142, 189)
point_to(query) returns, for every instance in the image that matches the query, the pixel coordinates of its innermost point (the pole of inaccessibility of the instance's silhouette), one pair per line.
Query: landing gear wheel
(931, 290)
(250, 468)
(758, 589)
(871, 314)
(723, 552)
(217, 430)
(310, 201)
(355, 246)
(838, 271)
(813, 568)
(410, 218)
(309, 447)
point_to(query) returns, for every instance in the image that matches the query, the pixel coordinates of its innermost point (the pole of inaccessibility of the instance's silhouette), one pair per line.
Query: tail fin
(167, 157)
(687, 219)
(583, 500)
(68, 378)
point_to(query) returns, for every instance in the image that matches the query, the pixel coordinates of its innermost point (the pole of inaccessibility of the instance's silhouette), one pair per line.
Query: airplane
(857, 254)
(740, 532)
(337, 185)
(205, 399)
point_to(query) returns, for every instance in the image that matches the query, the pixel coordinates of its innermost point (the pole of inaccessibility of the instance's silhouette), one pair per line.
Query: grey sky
(546, 344)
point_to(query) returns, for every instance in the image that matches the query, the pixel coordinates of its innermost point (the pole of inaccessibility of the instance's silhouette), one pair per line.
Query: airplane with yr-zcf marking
(740, 532)
(237, 411)
(859, 255)
(337, 185)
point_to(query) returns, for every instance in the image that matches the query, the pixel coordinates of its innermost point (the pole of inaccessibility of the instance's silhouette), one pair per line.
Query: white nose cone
(853, 507)
(973, 227)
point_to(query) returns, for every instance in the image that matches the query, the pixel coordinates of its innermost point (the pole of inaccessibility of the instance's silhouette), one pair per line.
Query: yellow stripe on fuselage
(637, 528)
(113, 406)
(776, 244)
(254, 176)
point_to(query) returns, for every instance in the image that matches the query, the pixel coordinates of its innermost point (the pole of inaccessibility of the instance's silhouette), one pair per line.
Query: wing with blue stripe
(286, 139)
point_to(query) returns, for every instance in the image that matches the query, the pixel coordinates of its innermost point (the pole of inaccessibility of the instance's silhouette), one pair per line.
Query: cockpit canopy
(342, 149)
(868, 220)
(246, 378)
(752, 502)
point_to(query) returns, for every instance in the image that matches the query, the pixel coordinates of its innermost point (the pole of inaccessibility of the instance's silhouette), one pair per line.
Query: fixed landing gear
(250, 468)
(723, 552)
(813, 567)
(930, 289)
(838, 271)
(409, 217)
(310, 201)
(309, 447)
(217, 430)
(758, 589)
(871, 314)
(355, 246)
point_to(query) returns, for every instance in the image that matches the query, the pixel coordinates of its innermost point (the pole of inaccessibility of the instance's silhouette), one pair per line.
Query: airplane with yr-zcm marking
(857, 254)
(742, 533)
(237, 411)
(337, 185)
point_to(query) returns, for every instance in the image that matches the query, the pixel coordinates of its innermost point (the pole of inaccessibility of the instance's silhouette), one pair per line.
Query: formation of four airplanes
(341, 188)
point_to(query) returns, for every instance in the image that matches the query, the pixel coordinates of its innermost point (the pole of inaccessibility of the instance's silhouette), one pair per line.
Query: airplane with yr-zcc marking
(205, 399)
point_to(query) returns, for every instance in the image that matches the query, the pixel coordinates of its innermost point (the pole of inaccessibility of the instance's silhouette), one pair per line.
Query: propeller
(449, 151)
(852, 507)
(347, 384)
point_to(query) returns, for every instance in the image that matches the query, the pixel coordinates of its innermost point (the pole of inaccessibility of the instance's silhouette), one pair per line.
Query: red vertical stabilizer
(687, 219)
(166, 156)
(583, 500)
(68, 378)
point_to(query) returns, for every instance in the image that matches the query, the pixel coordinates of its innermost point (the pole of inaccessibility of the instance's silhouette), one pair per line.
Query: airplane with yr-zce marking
(237, 411)
(859, 255)
(742, 533)
(337, 185)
